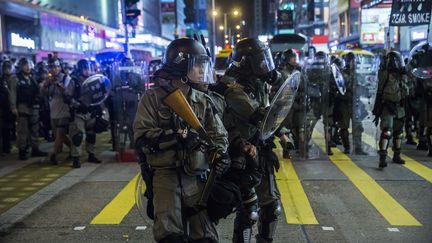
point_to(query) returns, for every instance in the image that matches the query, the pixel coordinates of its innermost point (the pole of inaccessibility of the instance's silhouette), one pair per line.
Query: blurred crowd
(43, 100)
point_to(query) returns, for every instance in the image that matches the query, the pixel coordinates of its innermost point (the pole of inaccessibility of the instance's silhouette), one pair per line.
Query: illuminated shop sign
(17, 40)
(374, 21)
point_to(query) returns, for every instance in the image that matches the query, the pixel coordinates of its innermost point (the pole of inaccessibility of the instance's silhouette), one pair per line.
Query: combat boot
(410, 140)
(76, 163)
(359, 151)
(397, 159)
(37, 153)
(382, 159)
(53, 159)
(422, 145)
(92, 159)
(345, 140)
(329, 151)
(23, 154)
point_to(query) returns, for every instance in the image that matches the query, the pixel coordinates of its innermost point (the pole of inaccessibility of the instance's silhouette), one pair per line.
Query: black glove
(82, 108)
(257, 116)
(221, 163)
(190, 139)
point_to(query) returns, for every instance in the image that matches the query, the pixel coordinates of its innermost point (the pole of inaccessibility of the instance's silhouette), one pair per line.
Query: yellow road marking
(387, 206)
(411, 164)
(119, 207)
(293, 197)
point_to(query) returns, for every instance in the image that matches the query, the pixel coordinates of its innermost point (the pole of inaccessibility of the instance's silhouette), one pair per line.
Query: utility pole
(213, 43)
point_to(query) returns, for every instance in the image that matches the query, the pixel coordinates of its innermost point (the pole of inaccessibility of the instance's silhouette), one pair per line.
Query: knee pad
(91, 138)
(270, 212)
(386, 133)
(77, 139)
(398, 135)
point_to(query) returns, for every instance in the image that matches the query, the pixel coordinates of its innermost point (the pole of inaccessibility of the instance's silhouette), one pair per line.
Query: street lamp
(214, 13)
(221, 27)
(226, 36)
(238, 35)
(226, 41)
(236, 12)
(238, 27)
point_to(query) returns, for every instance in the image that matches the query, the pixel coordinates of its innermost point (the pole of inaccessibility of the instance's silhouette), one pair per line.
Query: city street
(329, 199)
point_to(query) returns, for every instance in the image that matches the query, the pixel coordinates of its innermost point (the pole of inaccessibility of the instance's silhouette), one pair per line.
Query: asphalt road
(326, 199)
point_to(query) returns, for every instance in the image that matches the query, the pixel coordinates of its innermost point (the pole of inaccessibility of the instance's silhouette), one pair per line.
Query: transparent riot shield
(280, 106)
(129, 85)
(364, 85)
(311, 103)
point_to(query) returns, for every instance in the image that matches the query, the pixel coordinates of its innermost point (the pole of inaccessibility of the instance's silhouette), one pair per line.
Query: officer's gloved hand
(269, 77)
(257, 117)
(82, 108)
(222, 162)
(189, 138)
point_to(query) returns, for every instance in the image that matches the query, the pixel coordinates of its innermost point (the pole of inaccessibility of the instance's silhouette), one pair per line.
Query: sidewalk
(27, 185)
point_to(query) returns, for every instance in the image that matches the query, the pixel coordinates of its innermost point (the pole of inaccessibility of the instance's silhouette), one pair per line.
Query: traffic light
(129, 3)
(131, 12)
(311, 10)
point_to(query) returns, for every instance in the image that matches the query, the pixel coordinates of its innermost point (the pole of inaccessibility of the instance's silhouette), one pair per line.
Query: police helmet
(288, 54)
(421, 60)
(54, 62)
(7, 65)
(395, 62)
(349, 59)
(82, 65)
(188, 58)
(339, 62)
(252, 55)
(25, 61)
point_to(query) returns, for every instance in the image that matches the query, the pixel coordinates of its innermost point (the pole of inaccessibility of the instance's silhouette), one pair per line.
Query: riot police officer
(54, 87)
(337, 115)
(83, 118)
(288, 64)
(27, 103)
(173, 149)
(253, 69)
(7, 111)
(392, 90)
(420, 67)
(347, 108)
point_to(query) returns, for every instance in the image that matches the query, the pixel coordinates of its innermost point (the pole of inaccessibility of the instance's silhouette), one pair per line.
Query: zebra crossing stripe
(295, 203)
(411, 164)
(387, 206)
(119, 207)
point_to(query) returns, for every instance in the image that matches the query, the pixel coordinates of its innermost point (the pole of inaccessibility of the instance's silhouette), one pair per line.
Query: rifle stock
(178, 103)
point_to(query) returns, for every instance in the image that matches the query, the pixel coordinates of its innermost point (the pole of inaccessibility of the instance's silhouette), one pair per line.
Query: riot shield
(128, 85)
(363, 84)
(280, 105)
(314, 81)
(95, 89)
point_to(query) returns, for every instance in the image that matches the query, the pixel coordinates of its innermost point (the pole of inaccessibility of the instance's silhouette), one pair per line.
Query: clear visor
(262, 63)
(200, 70)
(422, 72)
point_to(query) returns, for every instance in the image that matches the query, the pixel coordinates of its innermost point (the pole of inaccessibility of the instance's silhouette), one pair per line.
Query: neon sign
(17, 40)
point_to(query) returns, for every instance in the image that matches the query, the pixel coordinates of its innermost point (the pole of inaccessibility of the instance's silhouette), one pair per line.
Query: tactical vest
(27, 90)
(392, 90)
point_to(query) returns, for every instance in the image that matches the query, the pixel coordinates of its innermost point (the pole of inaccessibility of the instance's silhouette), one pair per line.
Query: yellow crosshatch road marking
(119, 207)
(387, 206)
(293, 197)
(411, 164)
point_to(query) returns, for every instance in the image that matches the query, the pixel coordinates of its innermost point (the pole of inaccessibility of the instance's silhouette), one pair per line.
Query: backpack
(392, 89)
